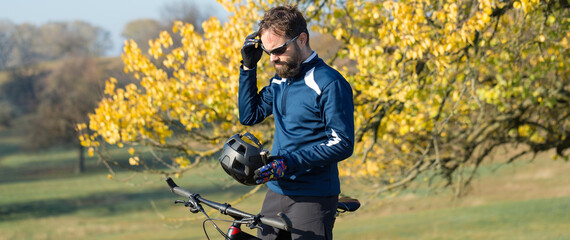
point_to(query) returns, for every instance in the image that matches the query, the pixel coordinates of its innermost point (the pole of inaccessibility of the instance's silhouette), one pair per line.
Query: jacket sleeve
(337, 108)
(254, 107)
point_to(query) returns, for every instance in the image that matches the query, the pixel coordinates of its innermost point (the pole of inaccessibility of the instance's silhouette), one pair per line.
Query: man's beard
(289, 69)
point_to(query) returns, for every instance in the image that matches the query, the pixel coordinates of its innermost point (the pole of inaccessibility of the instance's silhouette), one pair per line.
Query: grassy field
(41, 198)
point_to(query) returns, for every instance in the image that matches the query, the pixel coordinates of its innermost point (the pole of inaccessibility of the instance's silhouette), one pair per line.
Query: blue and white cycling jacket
(314, 124)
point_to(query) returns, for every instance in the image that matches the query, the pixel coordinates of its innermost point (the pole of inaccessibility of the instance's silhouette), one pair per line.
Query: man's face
(287, 64)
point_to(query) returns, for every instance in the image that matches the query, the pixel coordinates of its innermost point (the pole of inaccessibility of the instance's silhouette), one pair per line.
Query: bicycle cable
(213, 223)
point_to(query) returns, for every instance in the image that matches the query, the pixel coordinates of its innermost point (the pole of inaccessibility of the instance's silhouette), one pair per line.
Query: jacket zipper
(284, 98)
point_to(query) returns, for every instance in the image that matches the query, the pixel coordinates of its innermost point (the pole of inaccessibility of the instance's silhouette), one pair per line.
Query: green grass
(528, 219)
(93, 207)
(42, 198)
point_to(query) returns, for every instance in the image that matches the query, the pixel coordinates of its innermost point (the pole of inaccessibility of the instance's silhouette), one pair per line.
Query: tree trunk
(80, 168)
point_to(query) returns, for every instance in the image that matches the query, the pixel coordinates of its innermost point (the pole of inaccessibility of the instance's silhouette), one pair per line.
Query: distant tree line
(25, 44)
(52, 75)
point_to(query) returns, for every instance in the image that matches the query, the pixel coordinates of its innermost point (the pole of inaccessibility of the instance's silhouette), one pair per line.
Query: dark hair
(285, 20)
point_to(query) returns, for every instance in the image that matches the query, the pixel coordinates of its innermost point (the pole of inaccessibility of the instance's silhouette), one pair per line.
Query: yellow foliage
(190, 96)
(182, 162)
(90, 152)
(437, 33)
(134, 161)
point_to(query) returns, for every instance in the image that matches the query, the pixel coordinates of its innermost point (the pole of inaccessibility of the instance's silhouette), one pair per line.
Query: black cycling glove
(251, 51)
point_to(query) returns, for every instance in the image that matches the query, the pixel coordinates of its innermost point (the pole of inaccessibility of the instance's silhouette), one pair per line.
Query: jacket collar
(313, 55)
(307, 65)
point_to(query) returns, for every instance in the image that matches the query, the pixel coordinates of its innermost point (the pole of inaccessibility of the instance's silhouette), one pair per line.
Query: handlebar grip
(175, 189)
(170, 182)
(282, 223)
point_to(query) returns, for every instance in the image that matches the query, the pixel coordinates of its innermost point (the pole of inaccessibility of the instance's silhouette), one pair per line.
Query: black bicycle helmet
(240, 159)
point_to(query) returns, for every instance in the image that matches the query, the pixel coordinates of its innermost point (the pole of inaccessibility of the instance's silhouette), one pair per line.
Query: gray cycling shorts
(312, 217)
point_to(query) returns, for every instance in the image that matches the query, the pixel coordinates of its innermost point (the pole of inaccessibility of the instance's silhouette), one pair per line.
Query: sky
(111, 15)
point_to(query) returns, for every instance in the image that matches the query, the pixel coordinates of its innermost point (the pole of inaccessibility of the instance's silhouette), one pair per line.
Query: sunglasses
(278, 50)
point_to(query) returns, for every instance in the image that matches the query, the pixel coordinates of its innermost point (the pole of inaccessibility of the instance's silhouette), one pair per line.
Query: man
(314, 124)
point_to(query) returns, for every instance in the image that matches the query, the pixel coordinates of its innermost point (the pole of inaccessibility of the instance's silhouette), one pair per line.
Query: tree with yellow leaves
(441, 84)
(438, 85)
(185, 95)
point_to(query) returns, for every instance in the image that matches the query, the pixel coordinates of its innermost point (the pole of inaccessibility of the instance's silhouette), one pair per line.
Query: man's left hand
(272, 171)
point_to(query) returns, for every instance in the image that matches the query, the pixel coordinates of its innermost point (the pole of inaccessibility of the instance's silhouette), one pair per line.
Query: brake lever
(193, 206)
(252, 222)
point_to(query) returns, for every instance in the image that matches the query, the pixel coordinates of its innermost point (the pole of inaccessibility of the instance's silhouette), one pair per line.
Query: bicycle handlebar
(282, 223)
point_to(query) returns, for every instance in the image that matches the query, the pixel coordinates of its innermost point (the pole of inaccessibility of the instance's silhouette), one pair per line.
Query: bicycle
(195, 201)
